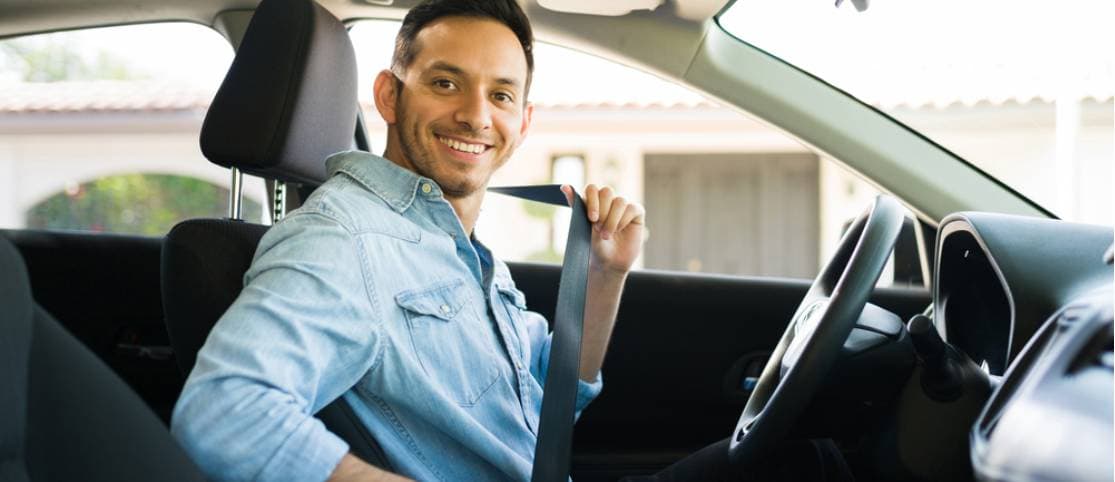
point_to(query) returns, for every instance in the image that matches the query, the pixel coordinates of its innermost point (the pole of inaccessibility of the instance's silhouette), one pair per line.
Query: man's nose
(474, 112)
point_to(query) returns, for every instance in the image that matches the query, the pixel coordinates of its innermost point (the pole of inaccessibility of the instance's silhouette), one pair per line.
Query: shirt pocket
(515, 304)
(451, 343)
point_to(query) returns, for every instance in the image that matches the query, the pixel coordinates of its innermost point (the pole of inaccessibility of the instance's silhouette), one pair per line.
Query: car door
(676, 367)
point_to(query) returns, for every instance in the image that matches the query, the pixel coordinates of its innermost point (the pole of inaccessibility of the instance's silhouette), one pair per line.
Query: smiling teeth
(462, 146)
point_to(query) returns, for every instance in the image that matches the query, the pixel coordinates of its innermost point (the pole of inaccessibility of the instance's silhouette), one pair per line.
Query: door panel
(677, 337)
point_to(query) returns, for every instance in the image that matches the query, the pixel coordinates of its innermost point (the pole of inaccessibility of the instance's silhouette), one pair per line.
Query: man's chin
(458, 191)
(457, 185)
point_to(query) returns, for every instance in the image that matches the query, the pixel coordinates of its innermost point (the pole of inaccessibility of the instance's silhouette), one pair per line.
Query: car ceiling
(663, 40)
(26, 16)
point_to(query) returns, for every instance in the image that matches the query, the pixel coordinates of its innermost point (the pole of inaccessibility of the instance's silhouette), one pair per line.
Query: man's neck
(468, 209)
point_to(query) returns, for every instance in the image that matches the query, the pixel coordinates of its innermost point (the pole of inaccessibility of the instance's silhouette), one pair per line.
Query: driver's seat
(287, 103)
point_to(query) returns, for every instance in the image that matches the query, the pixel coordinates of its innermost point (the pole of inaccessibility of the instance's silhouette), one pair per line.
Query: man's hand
(617, 240)
(352, 469)
(617, 228)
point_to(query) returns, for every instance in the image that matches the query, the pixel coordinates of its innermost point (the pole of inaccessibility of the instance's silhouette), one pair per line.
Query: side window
(725, 194)
(100, 129)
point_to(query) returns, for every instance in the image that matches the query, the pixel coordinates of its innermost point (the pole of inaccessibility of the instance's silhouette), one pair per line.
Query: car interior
(1000, 368)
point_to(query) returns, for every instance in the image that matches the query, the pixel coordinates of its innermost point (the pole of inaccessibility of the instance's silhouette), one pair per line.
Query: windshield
(1023, 90)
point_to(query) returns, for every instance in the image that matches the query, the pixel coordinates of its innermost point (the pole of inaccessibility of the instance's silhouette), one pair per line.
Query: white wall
(35, 166)
(35, 163)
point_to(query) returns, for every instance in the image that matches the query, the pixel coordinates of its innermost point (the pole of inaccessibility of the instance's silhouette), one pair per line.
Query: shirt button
(445, 308)
(426, 188)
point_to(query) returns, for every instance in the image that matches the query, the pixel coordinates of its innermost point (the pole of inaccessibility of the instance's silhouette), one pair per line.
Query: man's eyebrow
(507, 81)
(447, 67)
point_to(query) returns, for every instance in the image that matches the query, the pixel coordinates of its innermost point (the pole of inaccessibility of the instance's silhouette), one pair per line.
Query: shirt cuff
(586, 391)
(312, 452)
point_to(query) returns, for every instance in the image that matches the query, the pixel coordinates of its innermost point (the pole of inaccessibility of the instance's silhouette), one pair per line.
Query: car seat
(287, 102)
(66, 415)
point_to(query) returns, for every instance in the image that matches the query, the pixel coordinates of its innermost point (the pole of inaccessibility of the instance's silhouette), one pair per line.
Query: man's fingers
(604, 206)
(615, 215)
(568, 191)
(607, 212)
(633, 214)
(592, 204)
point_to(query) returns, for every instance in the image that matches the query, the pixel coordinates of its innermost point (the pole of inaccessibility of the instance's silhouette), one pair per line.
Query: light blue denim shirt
(371, 291)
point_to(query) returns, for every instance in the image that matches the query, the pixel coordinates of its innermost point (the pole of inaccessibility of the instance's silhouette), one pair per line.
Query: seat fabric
(67, 416)
(204, 261)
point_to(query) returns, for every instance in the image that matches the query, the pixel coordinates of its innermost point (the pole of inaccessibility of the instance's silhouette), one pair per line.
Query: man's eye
(503, 97)
(445, 84)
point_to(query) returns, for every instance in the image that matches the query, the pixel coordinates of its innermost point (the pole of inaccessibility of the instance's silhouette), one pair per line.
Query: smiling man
(377, 289)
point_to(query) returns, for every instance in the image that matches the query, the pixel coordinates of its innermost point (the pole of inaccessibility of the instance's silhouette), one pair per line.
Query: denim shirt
(371, 291)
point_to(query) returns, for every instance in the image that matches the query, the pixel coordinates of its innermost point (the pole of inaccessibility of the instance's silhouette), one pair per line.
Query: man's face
(461, 110)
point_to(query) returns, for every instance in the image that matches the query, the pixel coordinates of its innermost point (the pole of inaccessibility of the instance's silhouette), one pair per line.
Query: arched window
(142, 204)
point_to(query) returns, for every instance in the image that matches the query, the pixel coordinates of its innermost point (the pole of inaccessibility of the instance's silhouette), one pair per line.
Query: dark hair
(506, 12)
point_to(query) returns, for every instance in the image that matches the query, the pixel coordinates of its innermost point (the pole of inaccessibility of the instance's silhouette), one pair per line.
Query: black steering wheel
(813, 340)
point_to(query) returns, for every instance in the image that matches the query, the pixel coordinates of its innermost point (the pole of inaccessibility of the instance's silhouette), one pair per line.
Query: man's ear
(385, 93)
(528, 114)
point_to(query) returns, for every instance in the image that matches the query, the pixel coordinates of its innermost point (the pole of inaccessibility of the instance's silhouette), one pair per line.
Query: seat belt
(553, 450)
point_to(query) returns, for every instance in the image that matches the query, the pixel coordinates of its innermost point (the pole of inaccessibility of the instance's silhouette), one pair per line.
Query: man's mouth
(462, 146)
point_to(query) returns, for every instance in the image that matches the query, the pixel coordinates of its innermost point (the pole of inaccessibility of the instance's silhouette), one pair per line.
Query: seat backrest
(203, 266)
(65, 415)
(287, 102)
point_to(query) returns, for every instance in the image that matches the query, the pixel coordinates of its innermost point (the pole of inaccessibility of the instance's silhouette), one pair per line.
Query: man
(377, 290)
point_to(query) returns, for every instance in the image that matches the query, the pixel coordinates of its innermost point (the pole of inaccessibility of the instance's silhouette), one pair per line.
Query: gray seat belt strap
(553, 450)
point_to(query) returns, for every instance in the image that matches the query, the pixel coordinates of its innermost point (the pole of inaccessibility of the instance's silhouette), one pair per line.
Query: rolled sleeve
(541, 340)
(587, 392)
(310, 453)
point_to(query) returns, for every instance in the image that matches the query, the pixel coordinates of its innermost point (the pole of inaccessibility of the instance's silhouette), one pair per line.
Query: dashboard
(1030, 302)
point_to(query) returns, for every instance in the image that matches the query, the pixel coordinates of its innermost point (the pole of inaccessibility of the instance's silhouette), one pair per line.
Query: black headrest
(289, 98)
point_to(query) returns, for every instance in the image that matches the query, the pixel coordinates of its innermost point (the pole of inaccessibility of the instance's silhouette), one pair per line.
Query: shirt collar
(395, 185)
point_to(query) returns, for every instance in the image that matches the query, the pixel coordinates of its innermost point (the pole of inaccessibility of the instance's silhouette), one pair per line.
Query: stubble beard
(424, 163)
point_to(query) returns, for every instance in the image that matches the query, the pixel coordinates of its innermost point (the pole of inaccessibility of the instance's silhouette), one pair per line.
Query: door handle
(743, 375)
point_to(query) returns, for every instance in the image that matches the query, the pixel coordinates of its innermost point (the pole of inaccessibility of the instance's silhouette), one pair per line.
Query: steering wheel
(813, 340)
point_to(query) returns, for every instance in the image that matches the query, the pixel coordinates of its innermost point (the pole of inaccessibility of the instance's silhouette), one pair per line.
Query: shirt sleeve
(540, 341)
(301, 333)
